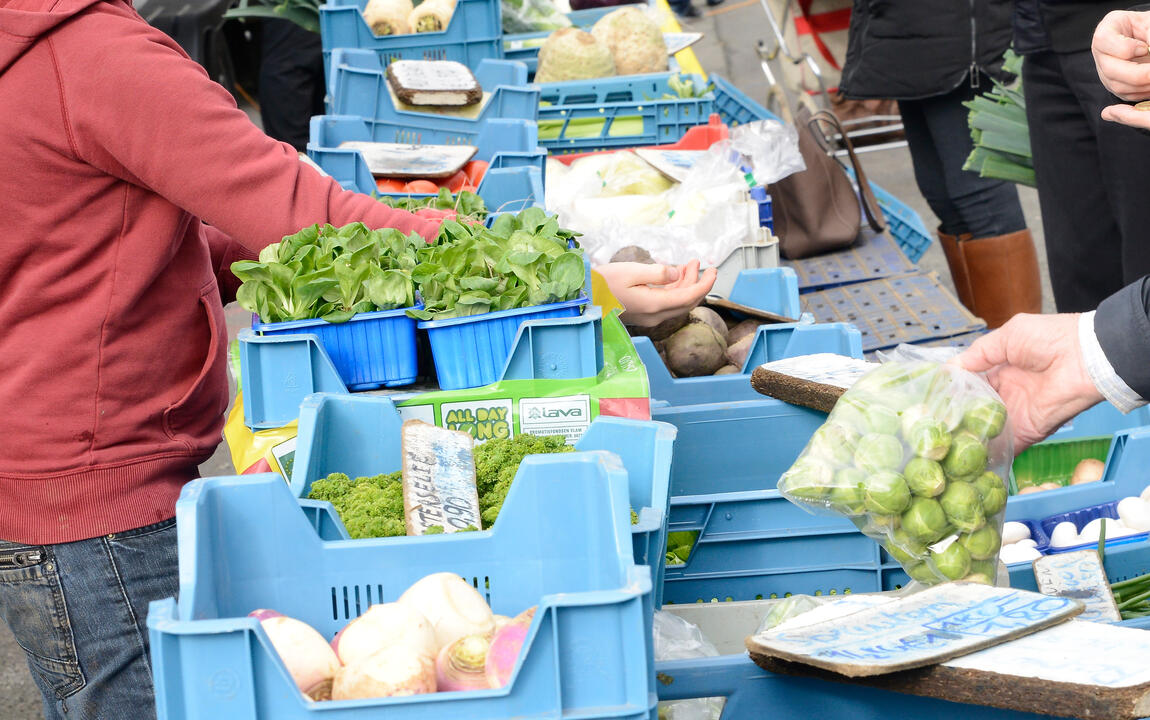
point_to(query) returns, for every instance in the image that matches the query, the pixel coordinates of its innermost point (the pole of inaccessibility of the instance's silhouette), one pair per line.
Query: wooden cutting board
(434, 83)
(412, 161)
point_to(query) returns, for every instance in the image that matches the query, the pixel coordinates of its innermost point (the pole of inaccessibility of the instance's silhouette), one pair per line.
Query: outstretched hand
(1035, 363)
(1122, 59)
(651, 294)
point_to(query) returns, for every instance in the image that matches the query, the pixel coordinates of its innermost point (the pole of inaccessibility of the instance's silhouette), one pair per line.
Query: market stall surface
(731, 32)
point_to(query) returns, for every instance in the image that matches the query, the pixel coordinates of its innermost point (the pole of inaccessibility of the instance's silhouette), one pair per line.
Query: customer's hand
(1035, 363)
(651, 294)
(1122, 58)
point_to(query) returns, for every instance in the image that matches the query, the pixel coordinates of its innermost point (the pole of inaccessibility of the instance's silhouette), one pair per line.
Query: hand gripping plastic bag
(914, 453)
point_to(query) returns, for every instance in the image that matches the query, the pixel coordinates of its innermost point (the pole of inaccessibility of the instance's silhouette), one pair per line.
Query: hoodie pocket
(201, 409)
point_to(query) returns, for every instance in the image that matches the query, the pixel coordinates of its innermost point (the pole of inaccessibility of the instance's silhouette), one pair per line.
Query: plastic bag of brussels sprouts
(914, 453)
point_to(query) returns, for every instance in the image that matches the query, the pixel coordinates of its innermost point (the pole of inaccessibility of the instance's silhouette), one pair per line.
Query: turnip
(710, 317)
(505, 648)
(453, 607)
(737, 352)
(306, 654)
(741, 330)
(461, 665)
(395, 672)
(695, 350)
(383, 627)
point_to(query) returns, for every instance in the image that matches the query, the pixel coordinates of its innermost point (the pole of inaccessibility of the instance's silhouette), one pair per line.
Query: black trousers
(291, 80)
(938, 137)
(1093, 181)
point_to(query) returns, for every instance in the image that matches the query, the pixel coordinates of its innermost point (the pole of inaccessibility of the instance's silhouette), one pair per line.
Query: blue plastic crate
(358, 85)
(505, 144)
(772, 342)
(474, 34)
(360, 436)
(370, 351)
(775, 290)
(616, 112)
(873, 256)
(734, 106)
(472, 351)
(244, 544)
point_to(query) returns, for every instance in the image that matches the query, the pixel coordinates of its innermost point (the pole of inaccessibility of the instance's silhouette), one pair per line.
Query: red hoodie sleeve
(141, 110)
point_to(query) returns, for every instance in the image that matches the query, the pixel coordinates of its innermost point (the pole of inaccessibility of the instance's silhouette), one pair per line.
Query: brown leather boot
(996, 277)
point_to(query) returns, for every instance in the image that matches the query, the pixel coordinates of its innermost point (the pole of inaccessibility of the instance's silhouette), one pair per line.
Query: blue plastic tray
(1080, 518)
(358, 85)
(873, 256)
(891, 311)
(472, 351)
(474, 34)
(372, 350)
(360, 436)
(244, 544)
(615, 112)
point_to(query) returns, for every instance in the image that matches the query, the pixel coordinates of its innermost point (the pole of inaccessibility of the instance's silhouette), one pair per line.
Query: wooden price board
(438, 479)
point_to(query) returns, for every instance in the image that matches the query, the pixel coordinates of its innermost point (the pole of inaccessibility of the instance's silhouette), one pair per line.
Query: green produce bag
(915, 454)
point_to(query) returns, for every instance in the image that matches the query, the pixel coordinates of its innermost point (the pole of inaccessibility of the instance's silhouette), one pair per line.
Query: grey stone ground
(728, 48)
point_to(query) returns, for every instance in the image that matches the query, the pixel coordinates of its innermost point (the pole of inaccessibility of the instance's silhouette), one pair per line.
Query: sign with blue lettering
(438, 480)
(928, 627)
(1078, 575)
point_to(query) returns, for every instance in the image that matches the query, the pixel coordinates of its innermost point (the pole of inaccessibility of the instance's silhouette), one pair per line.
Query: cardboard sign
(680, 41)
(407, 161)
(438, 479)
(928, 627)
(814, 381)
(1078, 575)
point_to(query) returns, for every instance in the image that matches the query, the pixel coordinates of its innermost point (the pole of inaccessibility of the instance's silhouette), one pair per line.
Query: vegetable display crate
(617, 112)
(360, 437)
(358, 85)
(506, 144)
(906, 226)
(1055, 461)
(472, 351)
(872, 257)
(279, 372)
(888, 312)
(748, 689)
(372, 350)
(474, 34)
(244, 544)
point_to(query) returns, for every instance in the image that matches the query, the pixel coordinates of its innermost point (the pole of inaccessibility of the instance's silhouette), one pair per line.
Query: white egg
(1028, 542)
(1120, 532)
(1135, 513)
(1093, 529)
(1146, 494)
(1012, 532)
(1064, 534)
(1016, 553)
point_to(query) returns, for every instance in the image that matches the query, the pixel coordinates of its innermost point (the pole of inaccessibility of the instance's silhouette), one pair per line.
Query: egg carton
(1083, 518)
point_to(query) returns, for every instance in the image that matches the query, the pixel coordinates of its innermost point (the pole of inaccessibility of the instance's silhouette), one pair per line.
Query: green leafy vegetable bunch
(464, 203)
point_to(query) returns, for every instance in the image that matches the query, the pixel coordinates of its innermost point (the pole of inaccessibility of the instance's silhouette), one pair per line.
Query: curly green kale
(368, 506)
(497, 461)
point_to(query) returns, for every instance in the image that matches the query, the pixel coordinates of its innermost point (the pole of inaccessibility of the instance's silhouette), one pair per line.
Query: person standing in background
(291, 84)
(931, 56)
(1092, 182)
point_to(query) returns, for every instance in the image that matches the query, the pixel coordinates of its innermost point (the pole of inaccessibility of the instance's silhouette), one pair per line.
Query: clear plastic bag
(678, 639)
(770, 147)
(521, 16)
(915, 453)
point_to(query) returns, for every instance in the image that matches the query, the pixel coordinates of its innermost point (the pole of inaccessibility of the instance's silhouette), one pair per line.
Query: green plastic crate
(1055, 461)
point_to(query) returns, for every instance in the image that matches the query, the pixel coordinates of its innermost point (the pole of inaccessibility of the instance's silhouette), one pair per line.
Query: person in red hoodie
(129, 184)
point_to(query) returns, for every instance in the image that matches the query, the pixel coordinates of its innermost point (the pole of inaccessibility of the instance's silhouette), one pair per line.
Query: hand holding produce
(1120, 52)
(914, 454)
(654, 293)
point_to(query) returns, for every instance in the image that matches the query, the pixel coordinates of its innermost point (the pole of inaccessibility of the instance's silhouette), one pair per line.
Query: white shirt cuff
(1102, 374)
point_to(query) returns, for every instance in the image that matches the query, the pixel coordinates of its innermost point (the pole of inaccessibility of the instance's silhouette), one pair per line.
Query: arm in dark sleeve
(226, 251)
(1122, 324)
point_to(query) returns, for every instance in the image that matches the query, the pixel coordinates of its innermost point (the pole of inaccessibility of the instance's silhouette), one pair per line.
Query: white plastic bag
(770, 147)
(677, 639)
(914, 453)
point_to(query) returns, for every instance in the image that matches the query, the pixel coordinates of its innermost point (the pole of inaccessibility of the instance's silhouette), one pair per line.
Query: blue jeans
(78, 610)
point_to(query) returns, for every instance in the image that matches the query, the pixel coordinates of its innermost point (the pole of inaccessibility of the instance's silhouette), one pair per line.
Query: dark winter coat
(911, 49)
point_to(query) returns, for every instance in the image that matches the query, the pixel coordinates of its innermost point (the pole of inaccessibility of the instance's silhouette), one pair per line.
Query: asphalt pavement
(731, 32)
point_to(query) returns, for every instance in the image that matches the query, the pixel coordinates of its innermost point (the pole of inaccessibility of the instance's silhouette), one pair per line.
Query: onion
(383, 627)
(460, 665)
(453, 607)
(395, 672)
(304, 652)
(505, 647)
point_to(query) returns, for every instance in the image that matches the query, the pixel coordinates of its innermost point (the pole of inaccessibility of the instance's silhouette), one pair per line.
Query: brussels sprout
(953, 562)
(878, 452)
(886, 493)
(928, 438)
(987, 481)
(808, 479)
(922, 573)
(875, 526)
(847, 495)
(904, 548)
(850, 412)
(963, 506)
(983, 543)
(984, 416)
(967, 456)
(835, 443)
(980, 578)
(924, 477)
(988, 568)
(908, 417)
(925, 521)
(993, 492)
(881, 419)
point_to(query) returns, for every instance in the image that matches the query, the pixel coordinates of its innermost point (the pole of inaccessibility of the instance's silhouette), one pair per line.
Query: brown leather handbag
(817, 210)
